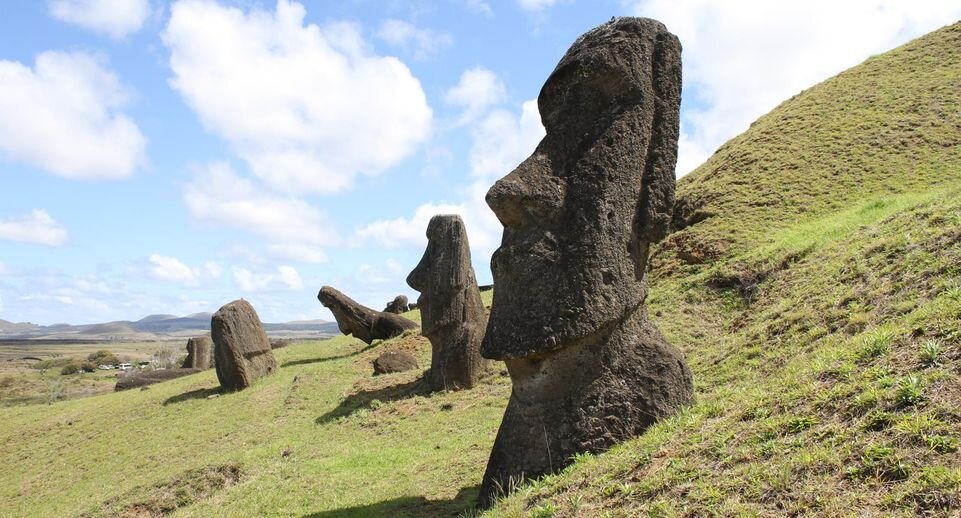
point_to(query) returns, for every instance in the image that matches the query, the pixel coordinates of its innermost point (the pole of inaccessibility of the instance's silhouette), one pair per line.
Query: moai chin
(452, 314)
(588, 368)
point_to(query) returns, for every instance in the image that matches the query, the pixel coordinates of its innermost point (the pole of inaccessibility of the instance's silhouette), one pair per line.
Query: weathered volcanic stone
(397, 306)
(142, 379)
(452, 314)
(394, 361)
(568, 317)
(362, 322)
(241, 348)
(198, 353)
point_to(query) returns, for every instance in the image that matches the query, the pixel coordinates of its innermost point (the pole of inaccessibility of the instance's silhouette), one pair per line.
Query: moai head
(443, 277)
(580, 213)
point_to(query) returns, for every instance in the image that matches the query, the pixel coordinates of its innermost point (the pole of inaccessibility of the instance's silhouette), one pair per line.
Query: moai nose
(529, 195)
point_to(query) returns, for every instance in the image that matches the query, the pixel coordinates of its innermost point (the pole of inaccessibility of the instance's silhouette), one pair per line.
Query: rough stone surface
(397, 306)
(568, 318)
(142, 379)
(362, 322)
(198, 353)
(394, 361)
(452, 314)
(241, 348)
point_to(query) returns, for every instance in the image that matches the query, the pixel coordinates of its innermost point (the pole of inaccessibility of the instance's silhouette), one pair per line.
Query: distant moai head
(580, 213)
(442, 275)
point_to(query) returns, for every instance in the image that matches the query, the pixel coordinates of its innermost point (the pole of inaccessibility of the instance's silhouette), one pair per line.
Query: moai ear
(652, 220)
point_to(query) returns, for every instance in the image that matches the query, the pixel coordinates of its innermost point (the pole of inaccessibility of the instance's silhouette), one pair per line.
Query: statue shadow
(362, 399)
(193, 394)
(309, 361)
(409, 506)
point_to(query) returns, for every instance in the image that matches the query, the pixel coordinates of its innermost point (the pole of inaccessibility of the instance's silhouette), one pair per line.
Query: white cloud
(284, 278)
(421, 42)
(395, 232)
(115, 18)
(479, 7)
(501, 141)
(168, 268)
(63, 116)
(742, 58)
(535, 5)
(477, 90)
(308, 108)
(171, 269)
(290, 225)
(37, 227)
(390, 272)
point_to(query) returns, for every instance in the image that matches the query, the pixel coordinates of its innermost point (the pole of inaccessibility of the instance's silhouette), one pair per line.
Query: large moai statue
(198, 353)
(452, 314)
(588, 368)
(359, 320)
(241, 348)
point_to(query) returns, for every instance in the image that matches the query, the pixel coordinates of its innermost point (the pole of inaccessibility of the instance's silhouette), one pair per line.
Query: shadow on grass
(362, 399)
(308, 361)
(408, 506)
(193, 394)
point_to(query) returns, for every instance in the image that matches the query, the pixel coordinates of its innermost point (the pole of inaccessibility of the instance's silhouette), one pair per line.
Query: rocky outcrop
(198, 353)
(241, 348)
(394, 361)
(588, 369)
(358, 320)
(452, 314)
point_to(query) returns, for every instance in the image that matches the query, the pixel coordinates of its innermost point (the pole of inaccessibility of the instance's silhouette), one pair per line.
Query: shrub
(70, 368)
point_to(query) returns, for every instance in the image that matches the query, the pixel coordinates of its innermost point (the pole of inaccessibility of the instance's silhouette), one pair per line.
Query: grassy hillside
(815, 286)
(814, 283)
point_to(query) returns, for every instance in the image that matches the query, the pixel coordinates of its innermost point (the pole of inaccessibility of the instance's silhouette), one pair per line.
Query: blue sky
(168, 157)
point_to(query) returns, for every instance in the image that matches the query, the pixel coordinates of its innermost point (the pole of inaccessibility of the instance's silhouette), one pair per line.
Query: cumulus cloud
(283, 278)
(292, 227)
(115, 18)
(63, 116)
(742, 58)
(36, 227)
(307, 107)
(501, 140)
(168, 268)
(423, 43)
(390, 272)
(477, 90)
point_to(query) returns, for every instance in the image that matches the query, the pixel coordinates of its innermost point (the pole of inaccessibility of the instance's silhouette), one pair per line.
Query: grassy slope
(819, 304)
(355, 445)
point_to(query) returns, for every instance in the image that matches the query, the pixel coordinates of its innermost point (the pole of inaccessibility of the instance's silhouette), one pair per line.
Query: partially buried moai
(568, 317)
(452, 314)
(241, 348)
(198, 353)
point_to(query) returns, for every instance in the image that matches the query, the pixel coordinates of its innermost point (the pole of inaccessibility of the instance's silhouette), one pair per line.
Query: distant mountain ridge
(152, 327)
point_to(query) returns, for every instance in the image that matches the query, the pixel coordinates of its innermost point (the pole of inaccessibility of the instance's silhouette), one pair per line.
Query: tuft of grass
(929, 353)
(910, 391)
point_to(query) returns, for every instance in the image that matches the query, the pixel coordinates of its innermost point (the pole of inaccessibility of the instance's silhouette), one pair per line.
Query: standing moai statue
(241, 348)
(198, 353)
(587, 366)
(452, 314)
(356, 319)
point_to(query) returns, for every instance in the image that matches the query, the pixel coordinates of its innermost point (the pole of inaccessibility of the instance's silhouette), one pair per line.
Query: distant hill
(153, 327)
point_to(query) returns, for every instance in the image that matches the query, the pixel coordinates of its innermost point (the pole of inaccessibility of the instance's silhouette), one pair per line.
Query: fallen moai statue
(397, 306)
(362, 322)
(394, 361)
(568, 318)
(241, 348)
(142, 379)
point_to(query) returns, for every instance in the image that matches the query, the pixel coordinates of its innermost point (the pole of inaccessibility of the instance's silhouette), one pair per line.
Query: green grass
(818, 304)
